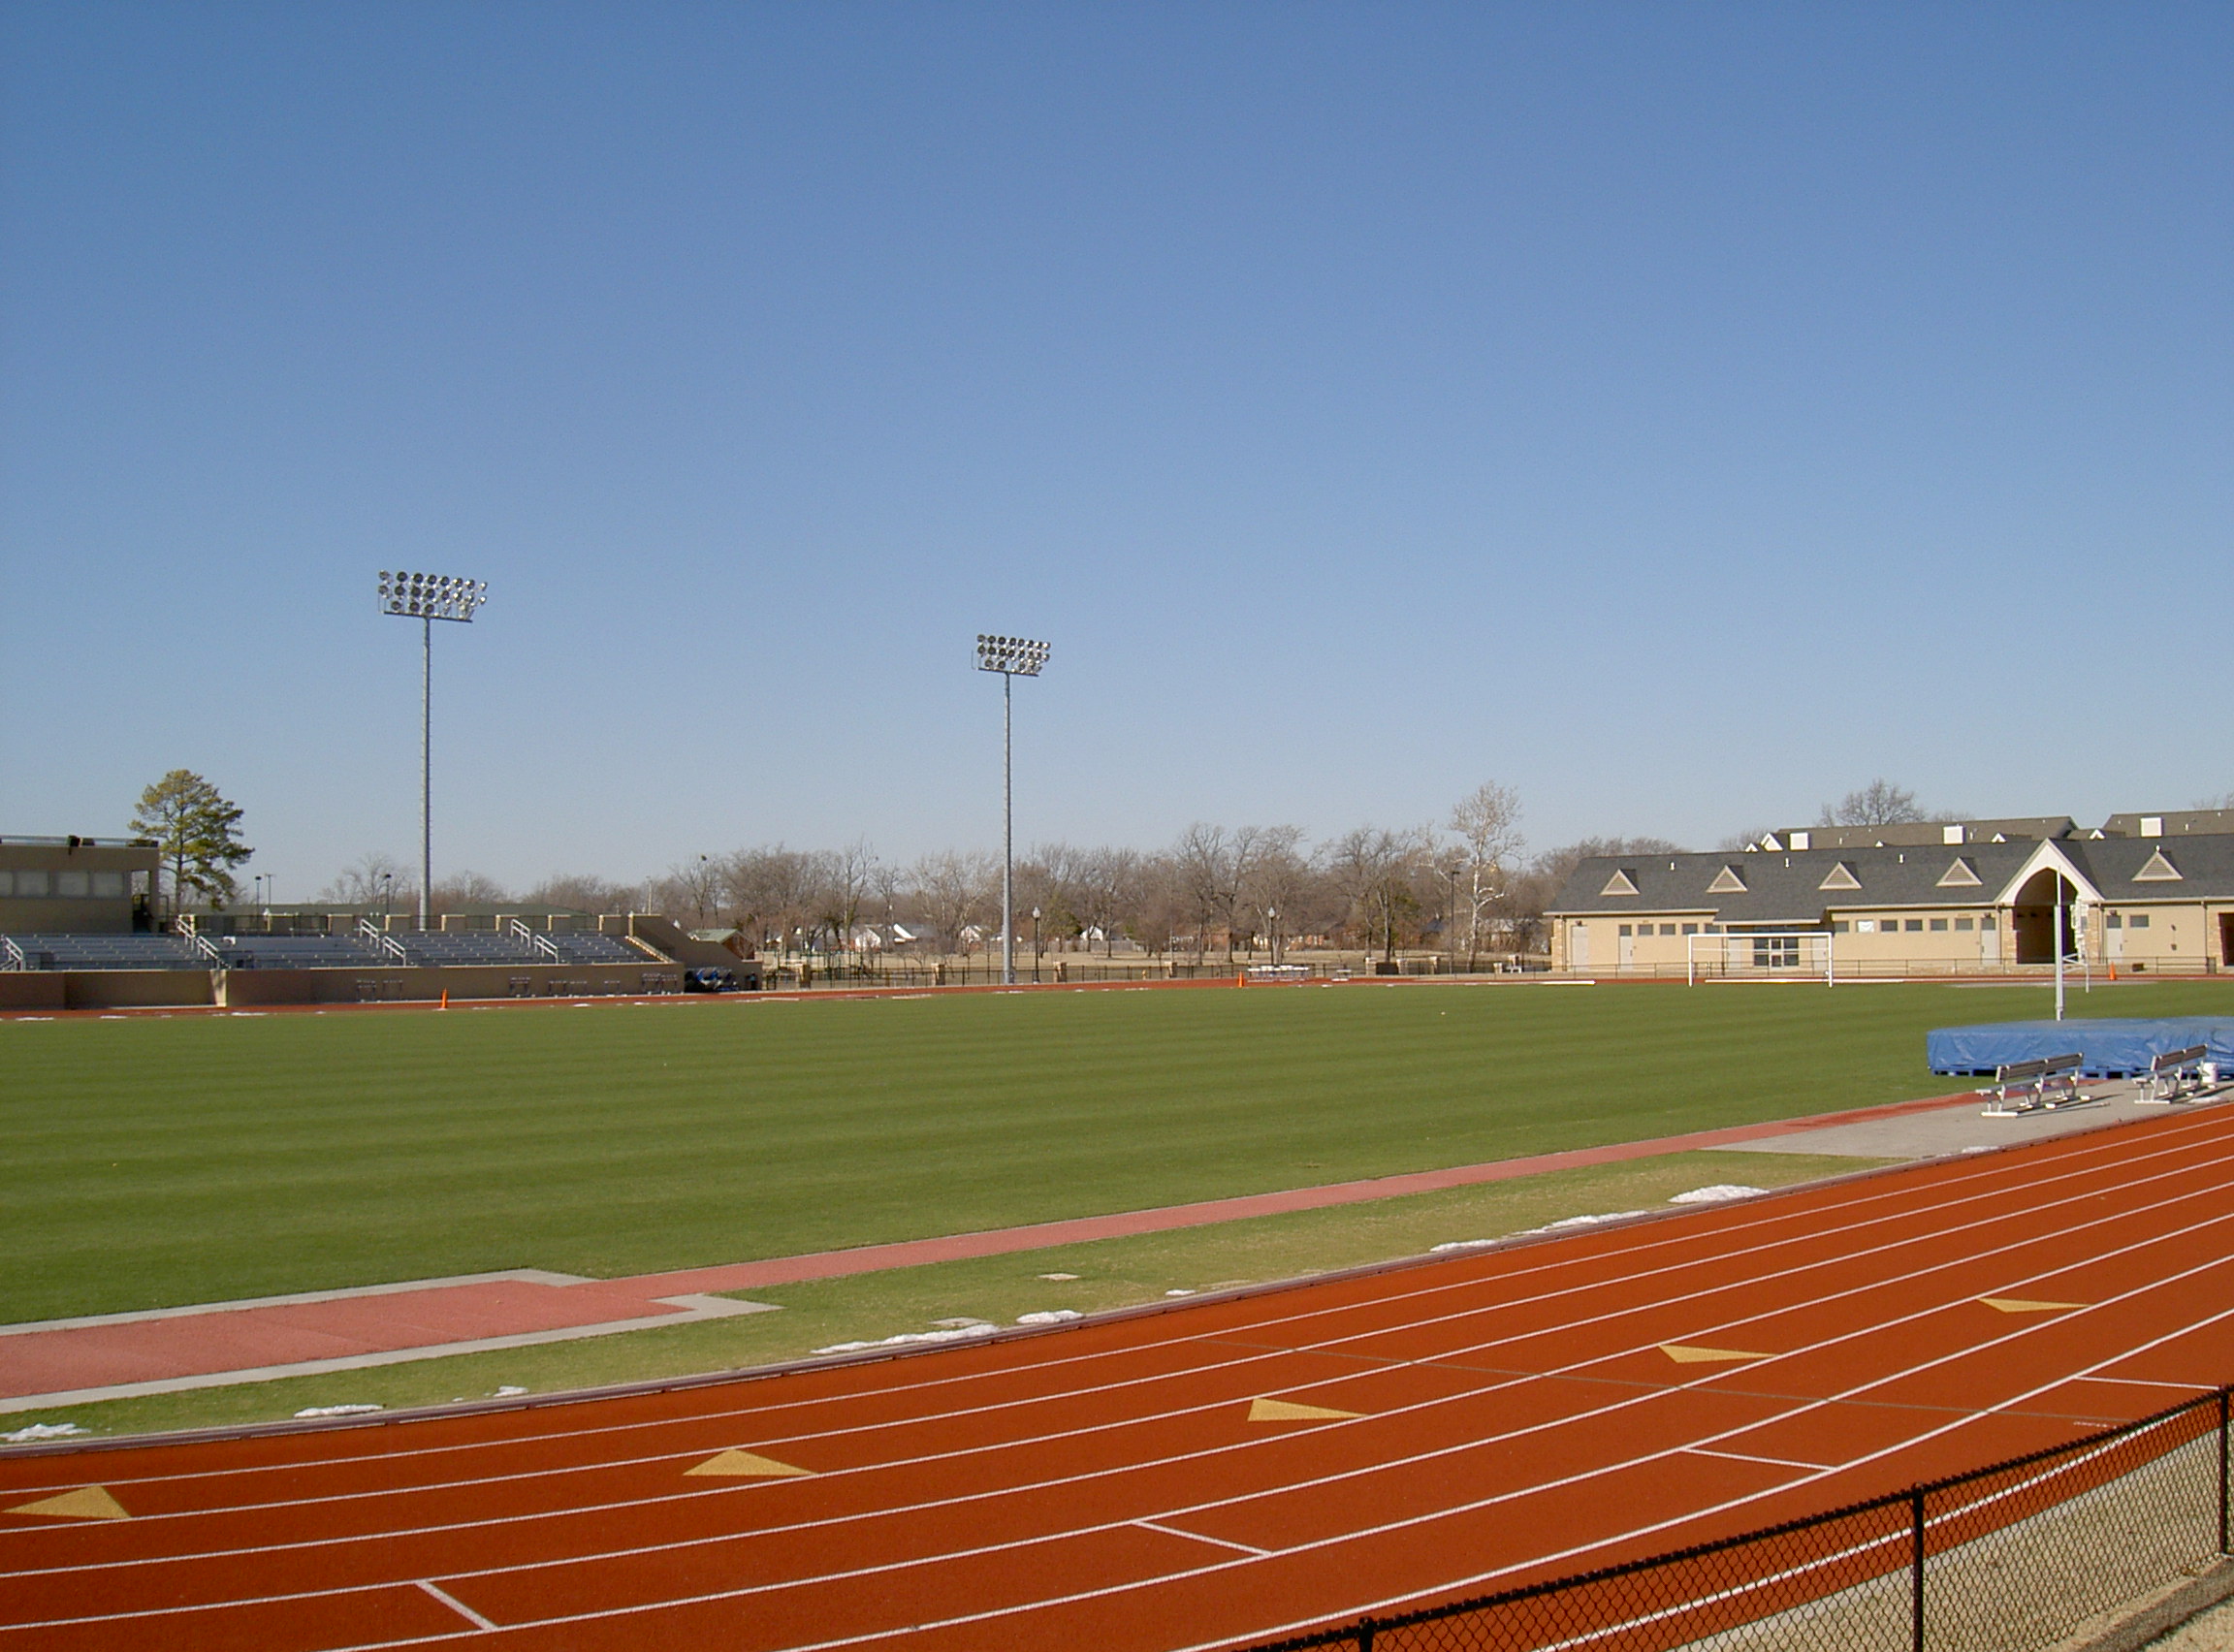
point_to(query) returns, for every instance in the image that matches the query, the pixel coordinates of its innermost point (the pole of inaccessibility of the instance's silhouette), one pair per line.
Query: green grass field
(155, 1162)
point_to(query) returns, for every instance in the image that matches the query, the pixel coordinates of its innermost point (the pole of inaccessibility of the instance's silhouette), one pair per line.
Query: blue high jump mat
(2109, 1048)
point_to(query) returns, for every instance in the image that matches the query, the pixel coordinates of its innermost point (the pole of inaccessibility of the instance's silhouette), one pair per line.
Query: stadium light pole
(426, 598)
(1011, 657)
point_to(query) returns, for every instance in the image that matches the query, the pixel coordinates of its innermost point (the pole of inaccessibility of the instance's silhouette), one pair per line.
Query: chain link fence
(2001, 1559)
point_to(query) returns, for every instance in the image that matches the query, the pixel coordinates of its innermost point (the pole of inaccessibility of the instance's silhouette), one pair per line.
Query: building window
(108, 885)
(72, 885)
(1961, 923)
(1985, 922)
(31, 884)
(1866, 925)
(2139, 920)
(1690, 928)
(1915, 926)
(1938, 924)
(1627, 931)
(1838, 926)
(1667, 928)
(2113, 921)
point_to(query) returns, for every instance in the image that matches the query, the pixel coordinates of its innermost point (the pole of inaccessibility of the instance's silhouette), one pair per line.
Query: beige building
(75, 885)
(1960, 898)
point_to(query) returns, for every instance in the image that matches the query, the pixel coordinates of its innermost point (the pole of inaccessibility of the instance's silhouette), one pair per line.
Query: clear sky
(1679, 413)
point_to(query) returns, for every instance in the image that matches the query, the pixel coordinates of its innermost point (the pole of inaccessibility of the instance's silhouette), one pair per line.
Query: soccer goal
(1759, 955)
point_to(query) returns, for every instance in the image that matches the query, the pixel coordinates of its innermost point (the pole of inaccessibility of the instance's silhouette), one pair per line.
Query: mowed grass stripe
(196, 1158)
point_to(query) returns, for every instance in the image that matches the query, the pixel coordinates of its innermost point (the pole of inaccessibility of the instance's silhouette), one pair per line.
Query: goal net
(1759, 955)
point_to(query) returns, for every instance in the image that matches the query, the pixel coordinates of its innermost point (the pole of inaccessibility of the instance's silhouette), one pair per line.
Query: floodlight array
(431, 596)
(1017, 656)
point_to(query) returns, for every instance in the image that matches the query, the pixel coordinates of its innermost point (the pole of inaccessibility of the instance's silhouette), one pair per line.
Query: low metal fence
(2004, 1558)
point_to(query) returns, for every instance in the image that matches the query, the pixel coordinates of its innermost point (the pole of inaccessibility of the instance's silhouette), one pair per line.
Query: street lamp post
(1011, 657)
(426, 598)
(1034, 944)
(1273, 921)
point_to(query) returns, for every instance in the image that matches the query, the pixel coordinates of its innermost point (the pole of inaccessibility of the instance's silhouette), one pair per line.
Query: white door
(1578, 946)
(1990, 945)
(1628, 947)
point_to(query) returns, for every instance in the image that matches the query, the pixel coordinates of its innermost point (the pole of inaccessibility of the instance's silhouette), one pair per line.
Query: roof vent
(1799, 840)
(1727, 882)
(1619, 883)
(1839, 876)
(2152, 825)
(2158, 869)
(1960, 875)
(1951, 834)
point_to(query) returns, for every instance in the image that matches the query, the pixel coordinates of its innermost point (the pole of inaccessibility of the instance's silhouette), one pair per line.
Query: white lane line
(1299, 1625)
(1875, 1284)
(1775, 1462)
(457, 1605)
(1593, 1471)
(1222, 1542)
(2197, 1388)
(1751, 1217)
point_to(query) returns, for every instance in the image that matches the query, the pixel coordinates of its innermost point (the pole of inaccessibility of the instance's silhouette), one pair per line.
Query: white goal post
(1759, 955)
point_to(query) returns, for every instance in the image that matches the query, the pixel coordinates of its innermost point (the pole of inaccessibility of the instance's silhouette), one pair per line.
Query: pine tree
(199, 834)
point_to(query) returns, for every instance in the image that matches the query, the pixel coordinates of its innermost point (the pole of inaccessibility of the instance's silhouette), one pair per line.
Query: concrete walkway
(114, 1355)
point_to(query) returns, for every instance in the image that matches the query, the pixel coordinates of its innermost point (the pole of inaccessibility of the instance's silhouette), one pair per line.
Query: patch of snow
(1719, 1190)
(1460, 1245)
(1567, 1222)
(338, 1411)
(1179, 1292)
(508, 1390)
(1049, 1317)
(906, 1339)
(1058, 1276)
(42, 1431)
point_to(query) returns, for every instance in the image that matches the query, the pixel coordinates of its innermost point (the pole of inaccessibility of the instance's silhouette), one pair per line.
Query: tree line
(1464, 885)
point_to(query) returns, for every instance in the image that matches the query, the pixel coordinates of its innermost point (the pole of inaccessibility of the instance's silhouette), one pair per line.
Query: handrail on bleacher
(2048, 1084)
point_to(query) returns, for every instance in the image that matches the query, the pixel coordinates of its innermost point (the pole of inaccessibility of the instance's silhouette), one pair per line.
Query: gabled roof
(1801, 886)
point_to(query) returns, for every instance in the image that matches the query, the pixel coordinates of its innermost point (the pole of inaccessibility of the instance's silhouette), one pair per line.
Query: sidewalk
(106, 1356)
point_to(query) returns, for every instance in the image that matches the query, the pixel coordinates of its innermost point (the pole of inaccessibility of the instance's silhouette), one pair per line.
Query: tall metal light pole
(426, 598)
(1011, 657)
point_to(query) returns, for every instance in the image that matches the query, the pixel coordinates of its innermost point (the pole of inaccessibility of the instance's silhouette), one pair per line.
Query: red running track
(1518, 1416)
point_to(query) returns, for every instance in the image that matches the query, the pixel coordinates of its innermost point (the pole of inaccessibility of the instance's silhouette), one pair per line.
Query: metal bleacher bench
(2175, 1075)
(2045, 1086)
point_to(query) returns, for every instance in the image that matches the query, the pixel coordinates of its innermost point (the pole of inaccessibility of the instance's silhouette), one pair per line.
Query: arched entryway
(2032, 917)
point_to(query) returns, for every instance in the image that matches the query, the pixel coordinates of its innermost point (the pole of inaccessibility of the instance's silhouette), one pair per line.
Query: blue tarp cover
(2108, 1046)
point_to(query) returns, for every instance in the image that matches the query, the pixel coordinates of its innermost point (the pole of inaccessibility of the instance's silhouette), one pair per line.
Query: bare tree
(766, 890)
(1106, 886)
(372, 880)
(1372, 868)
(953, 888)
(585, 893)
(463, 889)
(1880, 803)
(841, 880)
(1272, 887)
(1486, 820)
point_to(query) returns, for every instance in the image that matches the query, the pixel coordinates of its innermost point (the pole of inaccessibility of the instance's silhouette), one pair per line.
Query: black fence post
(1364, 1634)
(2222, 1544)
(1916, 1569)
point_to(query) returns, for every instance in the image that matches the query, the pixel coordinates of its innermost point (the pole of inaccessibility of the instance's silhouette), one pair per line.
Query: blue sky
(1679, 413)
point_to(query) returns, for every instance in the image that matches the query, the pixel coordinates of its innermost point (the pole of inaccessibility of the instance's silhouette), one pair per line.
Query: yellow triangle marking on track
(1683, 1355)
(86, 1503)
(1289, 1411)
(2017, 1305)
(740, 1465)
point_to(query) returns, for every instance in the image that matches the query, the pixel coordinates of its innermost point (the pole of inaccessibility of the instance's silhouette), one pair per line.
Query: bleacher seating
(108, 952)
(468, 947)
(580, 946)
(257, 951)
(299, 951)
